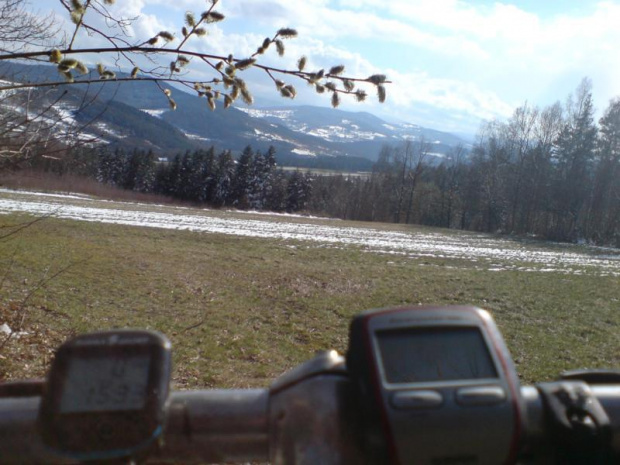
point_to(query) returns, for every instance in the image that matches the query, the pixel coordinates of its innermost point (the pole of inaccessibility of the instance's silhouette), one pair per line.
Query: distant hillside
(352, 133)
(92, 112)
(136, 114)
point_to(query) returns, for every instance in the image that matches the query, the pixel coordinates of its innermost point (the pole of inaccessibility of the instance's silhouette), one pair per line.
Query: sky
(452, 63)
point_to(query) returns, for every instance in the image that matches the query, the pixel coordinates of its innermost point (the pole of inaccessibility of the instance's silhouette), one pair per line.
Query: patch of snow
(283, 215)
(258, 113)
(269, 137)
(192, 136)
(409, 126)
(45, 194)
(107, 131)
(304, 152)
(156, 113)
(6, 329)
(486, 251)
(350, 124)
(341, 134)
(65, 113)
(8, 92)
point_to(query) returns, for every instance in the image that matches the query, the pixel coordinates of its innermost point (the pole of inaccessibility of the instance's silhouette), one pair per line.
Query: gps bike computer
(436, 386)
(105, 395)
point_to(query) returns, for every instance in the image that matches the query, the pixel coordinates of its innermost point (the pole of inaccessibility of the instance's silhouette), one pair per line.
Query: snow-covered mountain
(137, 114)
(352, 133)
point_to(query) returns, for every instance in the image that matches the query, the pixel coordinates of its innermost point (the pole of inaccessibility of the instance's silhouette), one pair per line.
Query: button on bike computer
(436, 385)
(105, 395)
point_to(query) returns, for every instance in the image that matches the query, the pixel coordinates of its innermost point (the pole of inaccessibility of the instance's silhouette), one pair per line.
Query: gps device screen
(106, 394)
(418, 355)
(96, 384)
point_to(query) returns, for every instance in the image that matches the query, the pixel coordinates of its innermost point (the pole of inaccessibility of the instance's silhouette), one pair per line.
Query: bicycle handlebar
(307, 416)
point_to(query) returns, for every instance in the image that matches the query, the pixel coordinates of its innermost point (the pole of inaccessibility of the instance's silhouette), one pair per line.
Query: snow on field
(46, 194)
(486, 252)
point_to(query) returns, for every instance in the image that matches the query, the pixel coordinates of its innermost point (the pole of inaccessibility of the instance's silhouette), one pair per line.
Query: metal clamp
(579, 425)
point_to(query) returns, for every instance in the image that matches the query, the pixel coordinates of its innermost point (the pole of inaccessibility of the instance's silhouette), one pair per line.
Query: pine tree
(194, 189)
(261, 179)
(269, 178)
(183, 182)
(299, 191)
(240, 193)
(208, 177)
(276, 196)
(131, 169)
(169, 186)
(224, 179)
(257, 182)
(160, 184)
(145, 177)
(111, 167)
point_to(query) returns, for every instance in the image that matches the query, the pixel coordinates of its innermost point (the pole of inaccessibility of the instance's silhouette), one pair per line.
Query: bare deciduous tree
(21, 30)
(27, 119)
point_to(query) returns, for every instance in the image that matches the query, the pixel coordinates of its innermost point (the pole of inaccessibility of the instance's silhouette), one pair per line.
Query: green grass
(241, 311)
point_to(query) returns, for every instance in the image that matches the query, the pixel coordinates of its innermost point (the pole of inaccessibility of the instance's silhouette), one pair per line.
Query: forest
(550, 173)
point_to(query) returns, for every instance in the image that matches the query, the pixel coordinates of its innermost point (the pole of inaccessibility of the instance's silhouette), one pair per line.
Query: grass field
(241, 309)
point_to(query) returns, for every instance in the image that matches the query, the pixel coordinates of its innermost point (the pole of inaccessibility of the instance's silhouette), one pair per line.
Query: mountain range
(138, 114)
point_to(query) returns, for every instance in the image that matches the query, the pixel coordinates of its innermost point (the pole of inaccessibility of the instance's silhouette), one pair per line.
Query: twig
(8, 268)
(148, 50)
(34, 290)
(195, 325)
(79, 24)
(28, 224)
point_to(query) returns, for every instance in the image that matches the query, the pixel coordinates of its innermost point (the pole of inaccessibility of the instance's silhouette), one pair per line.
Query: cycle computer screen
(430, 376)
(106, 395)
(441, 354)
(100, 384)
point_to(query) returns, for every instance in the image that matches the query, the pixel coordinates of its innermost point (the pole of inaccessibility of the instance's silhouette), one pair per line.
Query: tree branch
(227, 81)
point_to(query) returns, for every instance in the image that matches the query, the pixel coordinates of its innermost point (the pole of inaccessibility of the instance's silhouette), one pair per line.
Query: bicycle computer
(436, 385)
(105, 395)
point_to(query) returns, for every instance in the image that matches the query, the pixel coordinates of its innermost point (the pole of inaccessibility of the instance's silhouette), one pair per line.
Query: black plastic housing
(411, 420)
(101, 434)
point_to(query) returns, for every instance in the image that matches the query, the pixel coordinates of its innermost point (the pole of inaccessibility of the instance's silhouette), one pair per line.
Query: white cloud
(472, 58)
(446, 94)
(320, 20)
(513, 54)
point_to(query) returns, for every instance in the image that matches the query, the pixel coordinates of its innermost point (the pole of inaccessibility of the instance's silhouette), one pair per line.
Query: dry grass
(48, 182)
(240, 311)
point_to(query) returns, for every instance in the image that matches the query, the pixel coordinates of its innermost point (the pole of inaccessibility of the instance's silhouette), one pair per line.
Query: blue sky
(454, 63)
